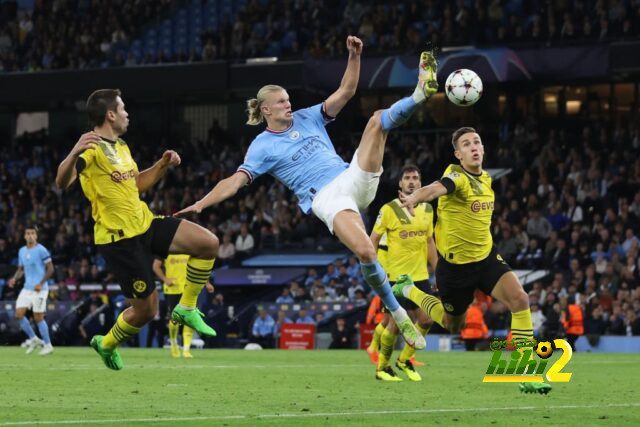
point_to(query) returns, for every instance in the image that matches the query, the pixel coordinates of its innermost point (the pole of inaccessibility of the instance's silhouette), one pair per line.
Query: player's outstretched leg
(400, 111)
(431, 305)
(186, 313)
(373, 348)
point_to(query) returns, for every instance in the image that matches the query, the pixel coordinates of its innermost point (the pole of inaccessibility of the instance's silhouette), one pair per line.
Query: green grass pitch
(256, 388)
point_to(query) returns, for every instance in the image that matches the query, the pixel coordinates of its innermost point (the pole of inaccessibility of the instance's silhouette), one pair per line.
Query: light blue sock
(398, 113)
(26, 327)
(376, 277)
(44, 331)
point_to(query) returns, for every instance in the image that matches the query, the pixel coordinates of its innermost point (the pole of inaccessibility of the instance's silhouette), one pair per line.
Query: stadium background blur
(559, 118)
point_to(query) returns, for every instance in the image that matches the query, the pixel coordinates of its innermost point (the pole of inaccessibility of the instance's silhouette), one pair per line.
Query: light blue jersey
(301, 157)
(33, 261)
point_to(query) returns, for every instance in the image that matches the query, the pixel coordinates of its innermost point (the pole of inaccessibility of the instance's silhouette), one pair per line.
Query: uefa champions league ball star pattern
(463, 87)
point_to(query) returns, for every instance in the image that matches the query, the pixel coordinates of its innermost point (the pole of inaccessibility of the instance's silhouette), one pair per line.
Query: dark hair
(457, 134)
(410, 168)
(99, 102)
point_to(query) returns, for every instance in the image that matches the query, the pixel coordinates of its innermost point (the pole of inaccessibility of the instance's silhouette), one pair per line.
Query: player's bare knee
(376, 119)
(365, 252)
(519, 301)
(208, 247)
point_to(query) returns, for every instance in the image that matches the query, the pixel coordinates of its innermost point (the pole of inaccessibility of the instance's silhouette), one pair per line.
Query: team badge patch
(294, 135)
(139, 286)
(448, 307)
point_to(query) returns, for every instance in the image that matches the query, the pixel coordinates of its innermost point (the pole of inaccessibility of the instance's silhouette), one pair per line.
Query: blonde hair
(254, 104)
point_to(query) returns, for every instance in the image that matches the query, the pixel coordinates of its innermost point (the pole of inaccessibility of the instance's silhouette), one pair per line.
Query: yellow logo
(139, 286)
(448, 307)
(544, 349)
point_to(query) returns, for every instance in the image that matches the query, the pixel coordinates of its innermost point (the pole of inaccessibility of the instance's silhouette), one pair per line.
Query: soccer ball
(463, 87)
(544, 349)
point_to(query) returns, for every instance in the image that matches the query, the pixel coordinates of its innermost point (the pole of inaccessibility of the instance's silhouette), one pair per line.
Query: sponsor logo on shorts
(408, 234)
(139, 286)
(477, 206)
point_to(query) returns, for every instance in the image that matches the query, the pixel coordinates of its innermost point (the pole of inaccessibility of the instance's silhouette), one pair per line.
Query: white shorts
(354, 189)
(35, 300)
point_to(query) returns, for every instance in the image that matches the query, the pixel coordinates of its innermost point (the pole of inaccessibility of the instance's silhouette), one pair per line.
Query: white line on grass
(316, 414)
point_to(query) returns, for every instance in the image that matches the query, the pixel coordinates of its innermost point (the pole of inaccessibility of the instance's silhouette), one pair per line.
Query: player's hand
(354, 45)
(169, 281)
(194, 208)
(408, 201)
(11, 282)
(86, 142)
(210, 287)
(38, 287)
(171, 158)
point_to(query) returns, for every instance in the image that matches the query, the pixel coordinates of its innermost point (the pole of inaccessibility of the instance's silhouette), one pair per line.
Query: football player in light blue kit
(34, 261)
(296, 150)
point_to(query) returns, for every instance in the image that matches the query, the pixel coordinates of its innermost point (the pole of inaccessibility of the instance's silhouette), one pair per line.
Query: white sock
(399, 315)
(406, 291)
(418, 94)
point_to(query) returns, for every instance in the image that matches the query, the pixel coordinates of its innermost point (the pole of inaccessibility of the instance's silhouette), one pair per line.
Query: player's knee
(519, 301)
(208, 247)
(365, 252)
(376, 119)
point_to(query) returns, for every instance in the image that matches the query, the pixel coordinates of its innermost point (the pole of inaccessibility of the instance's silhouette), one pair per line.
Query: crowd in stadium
(84, 34)
(571, 205)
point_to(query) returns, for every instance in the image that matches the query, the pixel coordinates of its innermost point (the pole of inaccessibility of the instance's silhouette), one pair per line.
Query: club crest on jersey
(294, 135)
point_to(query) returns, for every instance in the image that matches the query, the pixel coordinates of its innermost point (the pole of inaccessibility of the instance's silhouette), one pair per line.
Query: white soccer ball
(463, 87)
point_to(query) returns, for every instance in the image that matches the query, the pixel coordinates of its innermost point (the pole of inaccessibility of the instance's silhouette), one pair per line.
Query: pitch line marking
(314, 414)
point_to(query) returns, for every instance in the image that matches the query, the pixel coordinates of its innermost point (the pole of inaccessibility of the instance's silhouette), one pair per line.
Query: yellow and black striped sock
(198, 272)
(522, 326)
(408, 351)
(375, 340)
(387, 342)
(430, 304)
(119, 333)
(173, 333)
(187, 335)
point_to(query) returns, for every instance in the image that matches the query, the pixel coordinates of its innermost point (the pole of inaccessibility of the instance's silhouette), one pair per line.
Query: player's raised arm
(148, 177)
(67, 168)
(424, 194)
(224, 189)
(338, 99)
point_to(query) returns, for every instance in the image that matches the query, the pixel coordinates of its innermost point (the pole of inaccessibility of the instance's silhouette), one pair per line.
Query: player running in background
(467, 258)
(410, 245)
(34, 262)
(296, 149)
(126, 233)
(174, 277)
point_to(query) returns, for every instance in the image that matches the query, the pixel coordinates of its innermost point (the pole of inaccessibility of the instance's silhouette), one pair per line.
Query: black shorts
(457, 282)
(406, 303)
(171, 300)
(131, 260)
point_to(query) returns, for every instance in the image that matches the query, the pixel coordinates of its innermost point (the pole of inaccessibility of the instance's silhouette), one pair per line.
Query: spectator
(263, 329)
(244, 242)
(303, 317)
(285, 297)
(341, 335)
(538, 226)
(227, 250)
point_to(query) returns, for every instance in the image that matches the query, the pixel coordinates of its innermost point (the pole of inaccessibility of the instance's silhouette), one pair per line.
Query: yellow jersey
(175, 268)
(464, 217)
(406, 239)
(382, 251)
(108, 179)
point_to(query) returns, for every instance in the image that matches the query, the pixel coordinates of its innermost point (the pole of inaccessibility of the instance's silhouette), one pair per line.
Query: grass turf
(236, 387)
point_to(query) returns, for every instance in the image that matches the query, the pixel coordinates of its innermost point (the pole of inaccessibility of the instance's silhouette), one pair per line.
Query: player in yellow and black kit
(174, 277)
(409, 244)
(467, 257)
(127, 234)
